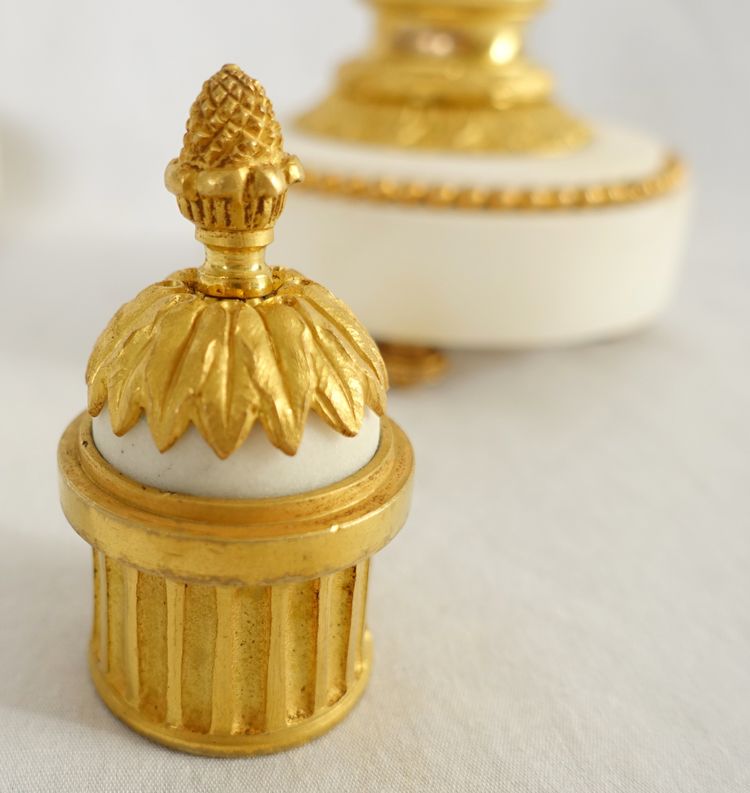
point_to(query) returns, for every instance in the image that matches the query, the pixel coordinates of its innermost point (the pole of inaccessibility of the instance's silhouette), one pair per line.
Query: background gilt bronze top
(448, 75)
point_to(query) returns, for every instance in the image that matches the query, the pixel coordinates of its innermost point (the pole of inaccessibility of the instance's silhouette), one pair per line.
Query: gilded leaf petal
(184, 358)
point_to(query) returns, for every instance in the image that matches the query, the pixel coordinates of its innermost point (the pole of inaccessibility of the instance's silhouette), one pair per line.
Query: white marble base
(256, 470)
(474, 278)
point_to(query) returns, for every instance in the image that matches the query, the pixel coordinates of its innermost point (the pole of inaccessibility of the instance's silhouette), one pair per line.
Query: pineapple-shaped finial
(231, 124)
(231, 180)
(232, 173)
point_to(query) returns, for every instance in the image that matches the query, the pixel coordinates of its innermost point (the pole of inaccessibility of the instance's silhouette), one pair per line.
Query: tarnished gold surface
(503, 199)
(233, 627)
(450, 75)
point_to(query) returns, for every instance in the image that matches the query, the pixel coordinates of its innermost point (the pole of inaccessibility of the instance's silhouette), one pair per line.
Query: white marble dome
(257, 469)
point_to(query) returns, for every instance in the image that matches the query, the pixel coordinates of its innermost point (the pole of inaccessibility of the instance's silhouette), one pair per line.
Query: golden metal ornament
(452, 76)
(283, 347)
(448, 75)
(601, 195)
(184, 358)
(412, 364)
(233, 626)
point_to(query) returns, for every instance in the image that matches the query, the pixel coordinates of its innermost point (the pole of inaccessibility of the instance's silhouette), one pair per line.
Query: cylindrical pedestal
(228, 670)
(231, 626)
(482, 250)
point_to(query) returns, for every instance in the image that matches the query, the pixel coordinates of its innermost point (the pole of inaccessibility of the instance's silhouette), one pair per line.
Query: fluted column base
(231, 626)
(223, 670)
(234, 745)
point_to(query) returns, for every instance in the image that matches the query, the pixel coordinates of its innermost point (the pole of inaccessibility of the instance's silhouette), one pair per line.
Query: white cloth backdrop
(567, 608)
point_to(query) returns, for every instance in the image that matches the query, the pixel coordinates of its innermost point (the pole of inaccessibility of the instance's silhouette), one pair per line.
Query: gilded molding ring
(541, 199)
(241, 542)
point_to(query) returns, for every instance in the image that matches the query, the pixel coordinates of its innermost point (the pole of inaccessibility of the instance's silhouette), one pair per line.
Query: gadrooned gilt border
(668, 177)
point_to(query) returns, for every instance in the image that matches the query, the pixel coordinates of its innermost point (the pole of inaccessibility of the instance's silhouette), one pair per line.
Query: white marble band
(256, 470)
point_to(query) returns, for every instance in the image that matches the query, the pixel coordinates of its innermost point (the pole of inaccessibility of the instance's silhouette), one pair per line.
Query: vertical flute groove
(95, 626)
(103, 649)
(175, 631)
(356, 630)
(115, 624)
(276, 688)
(322, 645)
(250, 661)
(228, 661)
(152, 645)
(222, 702)
(130, 639)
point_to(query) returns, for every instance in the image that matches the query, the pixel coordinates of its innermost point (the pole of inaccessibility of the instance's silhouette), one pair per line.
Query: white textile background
(567, 608)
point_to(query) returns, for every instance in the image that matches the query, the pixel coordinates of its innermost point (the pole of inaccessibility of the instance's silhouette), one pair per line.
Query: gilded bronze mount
(231, 627)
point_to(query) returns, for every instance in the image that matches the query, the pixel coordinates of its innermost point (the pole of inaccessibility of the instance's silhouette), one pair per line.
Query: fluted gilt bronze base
(231, 627)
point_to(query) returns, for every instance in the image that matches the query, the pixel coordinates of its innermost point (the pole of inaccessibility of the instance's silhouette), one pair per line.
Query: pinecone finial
(231, 180)
(231, 123)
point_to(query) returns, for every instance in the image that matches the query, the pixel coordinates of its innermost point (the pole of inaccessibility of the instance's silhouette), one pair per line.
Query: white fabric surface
(567, 609)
